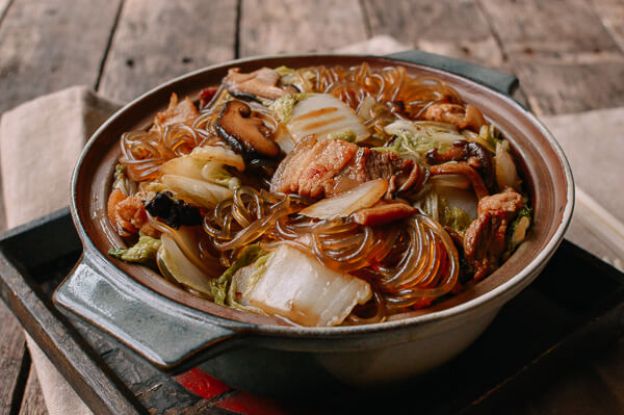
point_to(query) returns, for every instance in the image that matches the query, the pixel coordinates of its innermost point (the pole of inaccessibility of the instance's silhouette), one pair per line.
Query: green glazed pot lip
(485, 300)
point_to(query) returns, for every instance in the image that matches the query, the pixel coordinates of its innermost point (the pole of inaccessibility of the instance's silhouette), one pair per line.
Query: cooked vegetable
(143, 252)
(220, 155)
(174, 264)
(194, 244)
(202, 165)
(465, 169)
(324, 116)
(220, 287)
(121, 181)
(519, 228)
(344, 204)
(301, 80)
(312, 295)
(417, 138)
(455, 218)
(454, 197)
(196, 191)
(506, 172)
(284, 106)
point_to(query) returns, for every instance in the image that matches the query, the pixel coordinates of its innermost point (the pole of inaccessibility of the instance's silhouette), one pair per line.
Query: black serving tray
(574, 310)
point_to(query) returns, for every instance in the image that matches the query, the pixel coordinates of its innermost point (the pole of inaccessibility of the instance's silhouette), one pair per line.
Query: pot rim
(515, 281)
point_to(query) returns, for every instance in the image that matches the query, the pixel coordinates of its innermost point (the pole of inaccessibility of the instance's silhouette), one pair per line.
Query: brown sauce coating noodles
(405, 265)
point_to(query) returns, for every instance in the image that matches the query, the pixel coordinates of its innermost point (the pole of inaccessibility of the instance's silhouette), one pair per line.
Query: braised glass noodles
(320, 195)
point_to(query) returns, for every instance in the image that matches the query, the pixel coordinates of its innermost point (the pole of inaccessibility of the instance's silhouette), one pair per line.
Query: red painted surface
(246, 404)
(206, 386)
(202, 384)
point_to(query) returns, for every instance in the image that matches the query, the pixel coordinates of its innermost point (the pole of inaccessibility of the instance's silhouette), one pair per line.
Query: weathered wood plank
(156, 391)
(159, 39)
(565, 58)
(563, 29)
(33, 403)
(3, 9)
(611, 13)
(609, 367)
(12, 349)
(553, 88)
(446, 27)
(94, 385)
(2, 209)
(3, 5)
(282, 26)
(48, 45)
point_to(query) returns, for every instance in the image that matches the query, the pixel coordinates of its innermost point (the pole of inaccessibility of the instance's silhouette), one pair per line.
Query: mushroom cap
(244, 131)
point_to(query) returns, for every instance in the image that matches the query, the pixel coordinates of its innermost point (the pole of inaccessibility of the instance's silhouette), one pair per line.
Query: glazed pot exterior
(360, 363)
(177, 331)
(361, 367)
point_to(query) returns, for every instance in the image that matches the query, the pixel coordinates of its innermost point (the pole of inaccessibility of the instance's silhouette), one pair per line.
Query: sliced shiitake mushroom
(244, 131)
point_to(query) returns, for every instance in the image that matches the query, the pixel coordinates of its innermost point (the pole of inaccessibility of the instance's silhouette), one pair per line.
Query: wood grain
(446, 27)
(611, 13)
(46, 46)
(156, 391)
(96, 387)
(564, 29)
(2, 209)
(3, 5)
(33, 403)
(565, 58)
(553, 88)
(609, 367)
(12, 349)
(160, 39)
(288, 26)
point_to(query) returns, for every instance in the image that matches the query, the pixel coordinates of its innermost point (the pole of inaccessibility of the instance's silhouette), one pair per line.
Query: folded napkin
(41, 140)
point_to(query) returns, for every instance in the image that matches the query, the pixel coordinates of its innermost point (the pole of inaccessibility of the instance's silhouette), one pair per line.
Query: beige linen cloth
(41, 140)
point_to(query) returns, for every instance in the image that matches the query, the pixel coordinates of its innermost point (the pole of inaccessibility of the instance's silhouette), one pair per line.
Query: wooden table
(568, 54)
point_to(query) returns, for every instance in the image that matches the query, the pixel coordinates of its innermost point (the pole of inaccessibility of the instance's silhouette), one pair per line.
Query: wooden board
(3, 7)
(2, 209)
(33, 403)
(82, 370)
(553, 88)
(446, 27)
(157, 40)
(288, 26)
(565, 58)
(46, 46)
(553, 28)
(13, 363)
(611, 13)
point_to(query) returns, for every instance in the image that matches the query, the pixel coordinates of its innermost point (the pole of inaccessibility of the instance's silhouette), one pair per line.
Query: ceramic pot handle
(498, 81)
(166, 333)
